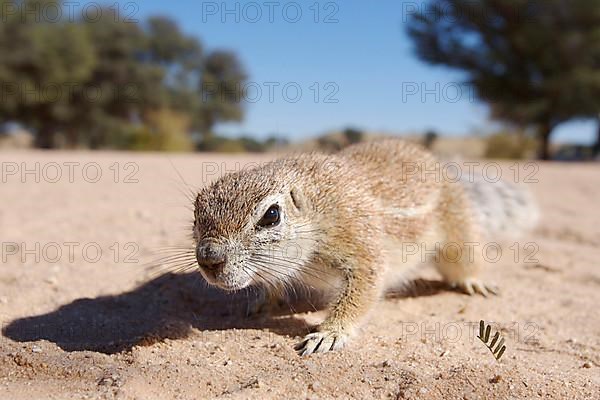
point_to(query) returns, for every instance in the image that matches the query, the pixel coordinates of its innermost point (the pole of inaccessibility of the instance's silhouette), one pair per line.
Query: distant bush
(277, 142)
(165, 130)
(334, 142)
(253, 145)
(353, 135)
(129, 137)
(243, 144)
(509, 145)
(221, 144)
(330, 144)
(573, 152)
(429, 139)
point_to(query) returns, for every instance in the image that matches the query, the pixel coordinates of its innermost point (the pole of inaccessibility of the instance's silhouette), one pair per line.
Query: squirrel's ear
(298, 198)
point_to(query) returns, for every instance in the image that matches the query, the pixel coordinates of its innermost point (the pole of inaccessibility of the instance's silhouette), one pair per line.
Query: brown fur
(349, 214)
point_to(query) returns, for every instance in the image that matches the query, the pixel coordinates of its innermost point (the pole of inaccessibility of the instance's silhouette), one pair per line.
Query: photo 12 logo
(69, 252)
(68, 11)
(68, 172)
(270, 12)
(471, 252)
(465, 331)
(271, 92)
(212, 170)
(451, 13)
(437, 92)
(68, 92)
(469, 171)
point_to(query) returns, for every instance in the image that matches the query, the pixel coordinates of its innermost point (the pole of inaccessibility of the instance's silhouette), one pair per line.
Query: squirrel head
(252, 227)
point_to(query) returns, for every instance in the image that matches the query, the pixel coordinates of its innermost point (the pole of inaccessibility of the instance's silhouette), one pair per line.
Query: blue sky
(351, 51)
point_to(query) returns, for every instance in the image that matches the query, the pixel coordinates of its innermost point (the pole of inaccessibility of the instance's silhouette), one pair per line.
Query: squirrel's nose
(210, 258)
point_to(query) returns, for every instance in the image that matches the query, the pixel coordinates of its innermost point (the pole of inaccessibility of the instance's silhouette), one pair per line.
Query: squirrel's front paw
(321, 342)
(473, 285)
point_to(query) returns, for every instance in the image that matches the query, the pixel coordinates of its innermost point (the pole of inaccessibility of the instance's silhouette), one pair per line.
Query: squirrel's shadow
(166, 307)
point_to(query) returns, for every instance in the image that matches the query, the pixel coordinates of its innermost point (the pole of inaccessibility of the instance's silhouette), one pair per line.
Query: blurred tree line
(110, 82)
(537, 63)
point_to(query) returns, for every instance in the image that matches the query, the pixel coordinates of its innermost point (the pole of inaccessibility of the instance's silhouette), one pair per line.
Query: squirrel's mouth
(227, 282)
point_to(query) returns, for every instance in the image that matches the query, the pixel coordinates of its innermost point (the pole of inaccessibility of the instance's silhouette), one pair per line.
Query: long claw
(471, 286)
(321, 342)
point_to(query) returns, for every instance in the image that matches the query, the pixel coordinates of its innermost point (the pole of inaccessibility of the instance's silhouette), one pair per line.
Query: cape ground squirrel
(348, 218)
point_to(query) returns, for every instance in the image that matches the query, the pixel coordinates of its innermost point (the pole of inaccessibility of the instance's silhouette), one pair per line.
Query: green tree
(536, 63)
(142, 68)
(182, 60)
(40, 66)
(114, 77)
(221, 90)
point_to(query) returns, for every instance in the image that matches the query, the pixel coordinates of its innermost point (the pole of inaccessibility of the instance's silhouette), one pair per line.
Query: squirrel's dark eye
(271, 217)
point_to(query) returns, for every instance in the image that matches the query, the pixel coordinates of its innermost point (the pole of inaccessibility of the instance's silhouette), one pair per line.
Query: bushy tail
(504, 210)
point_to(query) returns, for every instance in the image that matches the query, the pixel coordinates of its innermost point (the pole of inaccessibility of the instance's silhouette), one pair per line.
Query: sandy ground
(82, 318)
